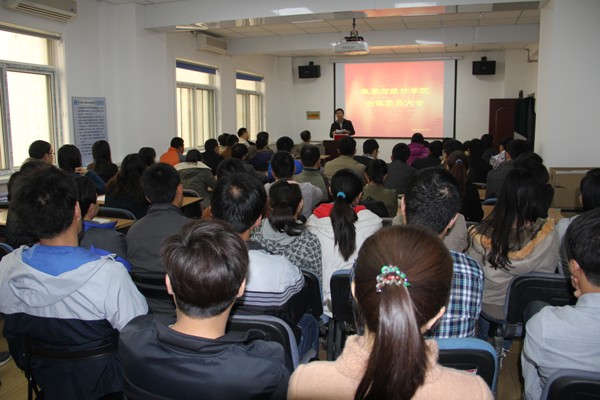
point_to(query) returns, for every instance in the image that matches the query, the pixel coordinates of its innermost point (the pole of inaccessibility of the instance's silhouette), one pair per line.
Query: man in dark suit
(341, 124)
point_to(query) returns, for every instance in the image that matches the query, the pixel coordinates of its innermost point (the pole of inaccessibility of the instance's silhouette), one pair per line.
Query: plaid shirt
(464, 305)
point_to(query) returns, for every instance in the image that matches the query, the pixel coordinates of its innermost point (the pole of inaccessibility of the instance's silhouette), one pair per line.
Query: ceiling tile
(487, 47)
(319, 30)
(530, 13)
(497, 21)
(452, 24)
(459, 48)
(423, 25)
(501, 14)
(528, 20)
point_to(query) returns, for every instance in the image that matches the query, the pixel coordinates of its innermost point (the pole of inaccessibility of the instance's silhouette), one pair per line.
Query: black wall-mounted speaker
(484, 67)
(309, 71)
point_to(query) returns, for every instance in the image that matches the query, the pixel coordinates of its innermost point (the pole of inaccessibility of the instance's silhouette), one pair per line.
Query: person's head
(451, 146)
(285, 143)
(194, 156)
(589, 188)
(238, 199)
(347, 146)
(222, 139)
(310, 156)
(229, 166)
(286, 204)
(371, 147)
(305, 136)
(69, 158)
(534, 163)
(177, 143)
(457, 163)
(582, 244)
(127, 180)
(46, 203)
(18, 177)
(261, 144)
(400, 152)
(376, 172)
(435, 149)
(206, 265)
(161, 184)
(487, 141)
(417, 138)
(88, 203)
(397, 313)
(263, 135)
(239, 151)
(476, 148)
(41, 150)
(282, 165)
(346, 189)
(101, 151)
(519, 204)
(148, 154)
(339, 114)
(504, 142)
(515, 148)
(232, 140)
(243, 133)
(211, 145)
(431, 200)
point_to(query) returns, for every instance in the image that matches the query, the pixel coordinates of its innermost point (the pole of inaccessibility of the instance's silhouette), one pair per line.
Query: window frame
(246, 93)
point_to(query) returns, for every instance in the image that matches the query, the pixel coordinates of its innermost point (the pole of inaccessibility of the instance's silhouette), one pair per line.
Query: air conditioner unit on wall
(210, 43)
(62, 10)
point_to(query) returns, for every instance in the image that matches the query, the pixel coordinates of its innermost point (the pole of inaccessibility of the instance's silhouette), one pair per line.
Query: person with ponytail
(341, 226)
(284, 234)
(457, 163)
(401, 284)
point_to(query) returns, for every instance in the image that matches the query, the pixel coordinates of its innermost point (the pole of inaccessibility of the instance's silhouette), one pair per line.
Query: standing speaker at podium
(340, 125)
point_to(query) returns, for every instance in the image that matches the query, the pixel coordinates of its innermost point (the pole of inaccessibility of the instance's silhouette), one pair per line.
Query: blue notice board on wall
(89, 124)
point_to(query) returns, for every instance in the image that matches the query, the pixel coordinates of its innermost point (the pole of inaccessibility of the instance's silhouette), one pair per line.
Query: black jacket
(346, 124)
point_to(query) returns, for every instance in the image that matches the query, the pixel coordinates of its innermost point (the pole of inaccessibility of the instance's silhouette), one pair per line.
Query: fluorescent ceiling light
(308, 21)
(293, 11)
(427, 42)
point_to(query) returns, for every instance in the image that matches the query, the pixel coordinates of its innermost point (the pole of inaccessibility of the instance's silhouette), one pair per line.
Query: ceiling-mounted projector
(353, 44)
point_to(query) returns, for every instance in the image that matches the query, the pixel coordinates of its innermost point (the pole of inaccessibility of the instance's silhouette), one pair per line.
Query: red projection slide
(395, 99)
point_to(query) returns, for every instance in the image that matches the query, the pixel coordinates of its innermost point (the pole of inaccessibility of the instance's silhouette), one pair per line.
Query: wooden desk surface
(553, 213)
(187, 200)
(121, 222)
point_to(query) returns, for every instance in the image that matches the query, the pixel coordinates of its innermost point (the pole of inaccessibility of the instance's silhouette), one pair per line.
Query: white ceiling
(463, 27)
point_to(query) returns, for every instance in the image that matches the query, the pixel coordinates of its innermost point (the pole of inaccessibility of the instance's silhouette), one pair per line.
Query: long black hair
(345, 188)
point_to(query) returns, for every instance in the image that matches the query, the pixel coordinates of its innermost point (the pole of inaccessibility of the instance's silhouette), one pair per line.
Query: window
(249, 102)
(196, 111)
(28, 94)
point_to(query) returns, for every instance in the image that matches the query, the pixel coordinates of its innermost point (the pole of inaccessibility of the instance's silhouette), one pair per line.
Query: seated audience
(211, 156)
(499, 158)
(402, 278)
(148, 154)
(479, 167)
(162, 187)
(347, 150)
(305, 136)
(274, 285)
(432, 201)
(125, 190)
(243, 137)
(284, 234)
(449, 146)
(495, 177)
(285, 143)
(40, 150)
(374, 190)
(488, 147)
(174, 154)
(457, 164)
(417, 148)
(222, 139)
(102, 164)
(206, 265)
(433, 159)
(282, 166)
(262, 156)
(310, 156)
(535, 164)
(61, 297)
(513, 240)
(342, 227)
(232, 140)
(370, 152)
(197, 176)
(263, 137)
(240, 152)
(69, 160)
(565, 337)
(399, 172)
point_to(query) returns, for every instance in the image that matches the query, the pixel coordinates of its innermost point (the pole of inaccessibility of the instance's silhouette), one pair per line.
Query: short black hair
(452, 145)
(435, 148)
(239, 151)
(232, 140)
(305, 136)
(401, 152)
(370, 145)
(229, 166)
(516, 147)
(282, 164)
(222, 138)
(87, 193)
(45, 202)
(309, 155)
(159, 182)
(376, 171)
(69, 158)
(589, 188)
(339, 109)
(431, 199)
(193, 156)
(263, 135)
(284, 143)
(261, 143)
(206, 262)
(177, 142)
(148, 154)
(347, 146)
(211, 145)
(39, 149)
(241, 131)
(417, 138)
(582, 244)
(238, 199)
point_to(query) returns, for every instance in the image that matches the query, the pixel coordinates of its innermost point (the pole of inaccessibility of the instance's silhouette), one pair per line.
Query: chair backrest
(112, 212)
(5, 249)
(271, 329)
(571, 384)
(190, 193)
(470, 354)
(313, 287)
(154, 288)
(342, 303)
(134, 392)
(387, 221)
